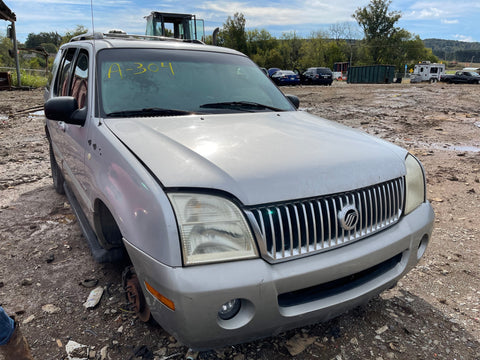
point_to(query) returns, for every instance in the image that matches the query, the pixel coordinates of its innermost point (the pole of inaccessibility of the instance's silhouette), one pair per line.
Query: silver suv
(242, 216)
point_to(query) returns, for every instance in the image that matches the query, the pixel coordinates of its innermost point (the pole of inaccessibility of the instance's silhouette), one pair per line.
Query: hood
(259, 157)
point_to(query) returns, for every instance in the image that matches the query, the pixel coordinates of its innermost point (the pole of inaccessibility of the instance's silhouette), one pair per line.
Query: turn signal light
(165, 301)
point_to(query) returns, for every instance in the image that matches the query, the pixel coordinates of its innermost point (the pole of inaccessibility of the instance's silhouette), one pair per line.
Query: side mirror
(294, 100)
(65, 108)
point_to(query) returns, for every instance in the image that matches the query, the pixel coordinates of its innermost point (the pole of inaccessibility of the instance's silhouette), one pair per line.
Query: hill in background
(453, 50)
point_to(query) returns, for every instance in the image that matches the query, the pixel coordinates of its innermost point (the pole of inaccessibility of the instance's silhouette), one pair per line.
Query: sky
(441, 19)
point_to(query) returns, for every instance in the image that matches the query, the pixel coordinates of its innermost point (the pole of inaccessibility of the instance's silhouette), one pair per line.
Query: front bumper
(282, 296)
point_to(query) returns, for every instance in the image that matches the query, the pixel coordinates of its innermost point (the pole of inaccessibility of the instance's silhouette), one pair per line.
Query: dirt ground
(433, 313)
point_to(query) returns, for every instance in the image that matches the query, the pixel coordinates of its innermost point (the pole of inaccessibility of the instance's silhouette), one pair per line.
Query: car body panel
(259, 285)
(216, 151)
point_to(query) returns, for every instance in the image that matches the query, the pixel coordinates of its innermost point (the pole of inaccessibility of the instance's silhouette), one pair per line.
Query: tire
(57, 175)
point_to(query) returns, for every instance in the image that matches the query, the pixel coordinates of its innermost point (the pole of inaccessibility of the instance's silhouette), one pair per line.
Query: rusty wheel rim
(136, 299)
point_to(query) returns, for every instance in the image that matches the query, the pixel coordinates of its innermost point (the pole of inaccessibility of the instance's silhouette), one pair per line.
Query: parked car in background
(240, 217)
(318, 75)
(272, 71)
(286, 77)
(462, 77)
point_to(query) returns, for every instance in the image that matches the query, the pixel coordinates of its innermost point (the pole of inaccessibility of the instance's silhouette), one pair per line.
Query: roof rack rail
(117, 34)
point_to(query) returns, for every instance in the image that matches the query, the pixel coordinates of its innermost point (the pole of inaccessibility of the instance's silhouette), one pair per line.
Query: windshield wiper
(149, 112)
(241, 105)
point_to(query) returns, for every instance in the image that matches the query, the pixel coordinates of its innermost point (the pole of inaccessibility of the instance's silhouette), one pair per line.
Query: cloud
(39, 3)
(448, 22)
(422, 14)
(428, 18)
(291, 13)
(441, 9)
(463, 38)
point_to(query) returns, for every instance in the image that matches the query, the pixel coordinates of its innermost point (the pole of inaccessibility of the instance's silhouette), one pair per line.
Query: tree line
(322, 48)
(382, 43)
(454, 50)
(35, 44)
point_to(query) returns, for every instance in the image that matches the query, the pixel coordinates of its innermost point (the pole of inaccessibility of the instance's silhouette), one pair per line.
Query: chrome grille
(308, 226)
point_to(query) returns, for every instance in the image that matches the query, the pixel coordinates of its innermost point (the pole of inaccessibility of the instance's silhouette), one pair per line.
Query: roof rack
(119, 34)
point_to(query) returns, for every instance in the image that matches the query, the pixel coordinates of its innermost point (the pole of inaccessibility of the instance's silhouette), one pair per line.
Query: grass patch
(30, 80)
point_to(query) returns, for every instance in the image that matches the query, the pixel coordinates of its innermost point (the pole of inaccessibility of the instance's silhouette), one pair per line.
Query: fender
(134, 197)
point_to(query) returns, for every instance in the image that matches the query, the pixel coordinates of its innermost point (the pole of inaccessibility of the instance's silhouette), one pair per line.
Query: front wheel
(57, 175)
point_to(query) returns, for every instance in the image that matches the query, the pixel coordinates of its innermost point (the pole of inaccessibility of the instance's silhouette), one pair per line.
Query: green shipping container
(372, 74)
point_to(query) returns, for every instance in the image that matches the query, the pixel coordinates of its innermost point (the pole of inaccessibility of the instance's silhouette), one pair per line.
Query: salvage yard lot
(433, 313)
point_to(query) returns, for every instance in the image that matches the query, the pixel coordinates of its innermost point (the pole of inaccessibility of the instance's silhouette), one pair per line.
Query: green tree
(273, 59)
(260, 41)
(6, 45)
(233, 33)
(49, 48)
(289, 48)
(79, 30)
(378, 24)
(35, 63)
(313, 50)
(36, 40)
(407, 49)
(335, 52)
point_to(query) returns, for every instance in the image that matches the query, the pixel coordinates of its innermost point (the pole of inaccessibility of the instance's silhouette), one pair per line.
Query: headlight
(415, 184)
(212, 229)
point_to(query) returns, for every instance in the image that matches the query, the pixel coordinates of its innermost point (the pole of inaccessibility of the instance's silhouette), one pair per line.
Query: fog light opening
(229, 309)
(422, 247)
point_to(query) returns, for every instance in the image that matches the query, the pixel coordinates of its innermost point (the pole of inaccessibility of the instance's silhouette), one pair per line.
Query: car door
(463, 78)
(70, 139)
(308, 76)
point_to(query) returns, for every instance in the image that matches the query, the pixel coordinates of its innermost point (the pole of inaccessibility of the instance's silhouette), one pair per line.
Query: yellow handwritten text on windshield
(116, 69)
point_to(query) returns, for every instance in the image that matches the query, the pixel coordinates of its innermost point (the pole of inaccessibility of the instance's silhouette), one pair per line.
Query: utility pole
(8, 15)
(15, 51)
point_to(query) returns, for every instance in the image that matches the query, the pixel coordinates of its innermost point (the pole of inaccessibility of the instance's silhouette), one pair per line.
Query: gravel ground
(433, 313)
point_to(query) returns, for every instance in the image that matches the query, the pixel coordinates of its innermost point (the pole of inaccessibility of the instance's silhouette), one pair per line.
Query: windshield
(156, 82)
